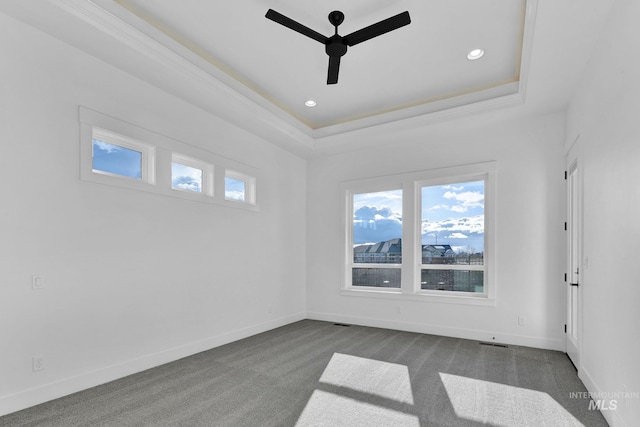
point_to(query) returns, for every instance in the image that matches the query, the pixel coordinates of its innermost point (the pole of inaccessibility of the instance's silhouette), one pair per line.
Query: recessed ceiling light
(475, 54)
(310, 103)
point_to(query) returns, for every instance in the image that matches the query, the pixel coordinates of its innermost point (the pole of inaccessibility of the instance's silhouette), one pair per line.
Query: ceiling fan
(336, 45)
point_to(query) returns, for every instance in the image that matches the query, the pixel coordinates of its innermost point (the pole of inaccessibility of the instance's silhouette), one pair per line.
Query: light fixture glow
(475, 54)
(310, 103)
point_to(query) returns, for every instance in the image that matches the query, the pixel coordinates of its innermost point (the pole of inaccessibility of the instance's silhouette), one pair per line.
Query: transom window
(234, 189)
(116, 155)
(116, 160)
(191, 175)
(185, 177)
(239, 187)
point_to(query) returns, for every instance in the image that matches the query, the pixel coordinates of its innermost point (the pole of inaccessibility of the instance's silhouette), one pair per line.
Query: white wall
(605, 115)
(530, 237)
(132, 279)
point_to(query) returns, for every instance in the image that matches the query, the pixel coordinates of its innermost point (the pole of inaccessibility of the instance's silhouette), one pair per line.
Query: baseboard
(44, 393)
(611, 417)
(471, 334)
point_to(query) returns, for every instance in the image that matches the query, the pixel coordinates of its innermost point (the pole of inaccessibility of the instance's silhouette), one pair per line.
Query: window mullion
(409, 233)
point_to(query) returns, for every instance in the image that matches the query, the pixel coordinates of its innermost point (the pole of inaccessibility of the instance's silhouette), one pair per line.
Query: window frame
(364, 189)
(147, 152)
(411, 267)
(161, 150)
(249, 186)
(455, 180)
(207, 185)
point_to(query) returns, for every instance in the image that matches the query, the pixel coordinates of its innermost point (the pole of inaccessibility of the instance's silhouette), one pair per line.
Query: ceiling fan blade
(334, 68)
(295, 26)
(379, 28)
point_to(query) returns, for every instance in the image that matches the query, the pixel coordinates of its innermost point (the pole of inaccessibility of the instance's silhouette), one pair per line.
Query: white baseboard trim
(471, 334)
(46, 392)
(611, 417)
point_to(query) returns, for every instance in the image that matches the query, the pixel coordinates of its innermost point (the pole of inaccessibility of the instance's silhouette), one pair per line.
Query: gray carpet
(314, 373)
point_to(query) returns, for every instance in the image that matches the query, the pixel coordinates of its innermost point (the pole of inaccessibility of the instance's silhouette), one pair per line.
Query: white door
(573, 282)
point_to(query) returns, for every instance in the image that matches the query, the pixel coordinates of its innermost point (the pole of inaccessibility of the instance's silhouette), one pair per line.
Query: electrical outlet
(398, 309)
(522, 321)
(37, 282)
(37, 363)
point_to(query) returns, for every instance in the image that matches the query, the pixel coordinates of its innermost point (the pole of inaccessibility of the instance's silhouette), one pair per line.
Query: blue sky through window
(453, 215)
(377, 216)
(117, 160)
(234, 189)
(186, 177)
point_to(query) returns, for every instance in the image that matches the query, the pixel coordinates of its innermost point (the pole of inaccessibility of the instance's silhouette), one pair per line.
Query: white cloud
(187, 183)
(372, 224)
(436, 207)
(109, 148)
(466, 200)
(457, 236)
(465, 225)
(391, 200)
(234, 195)
(452, 187)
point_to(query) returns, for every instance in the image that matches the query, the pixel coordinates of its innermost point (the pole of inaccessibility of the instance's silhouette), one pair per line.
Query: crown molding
(247, 109)
(107, 17)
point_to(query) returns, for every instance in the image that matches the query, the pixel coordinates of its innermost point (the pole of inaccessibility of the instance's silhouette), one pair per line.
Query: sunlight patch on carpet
(383, 379)
(503, 405)
(328, 409)
(356, 391)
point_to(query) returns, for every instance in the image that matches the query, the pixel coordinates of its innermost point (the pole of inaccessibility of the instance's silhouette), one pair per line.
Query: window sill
(397, 294)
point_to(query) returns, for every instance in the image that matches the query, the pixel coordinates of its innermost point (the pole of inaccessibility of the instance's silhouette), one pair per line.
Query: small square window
(191, 175)
(186, 178)
(239, 187)
(116, 160)
(234, 189)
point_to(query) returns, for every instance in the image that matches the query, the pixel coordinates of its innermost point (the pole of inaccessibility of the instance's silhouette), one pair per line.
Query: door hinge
(565, 174)
(565, 328)
(565, 277)
(565, 226)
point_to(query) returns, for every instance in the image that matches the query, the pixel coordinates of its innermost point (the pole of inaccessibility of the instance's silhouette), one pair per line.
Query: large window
(377, 239)
(426, 234)
(452, 237)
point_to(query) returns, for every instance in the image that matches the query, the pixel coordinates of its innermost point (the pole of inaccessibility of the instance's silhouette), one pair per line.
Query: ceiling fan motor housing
(336, 46)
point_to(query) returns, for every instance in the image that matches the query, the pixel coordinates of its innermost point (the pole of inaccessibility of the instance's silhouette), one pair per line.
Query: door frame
(574, 264)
